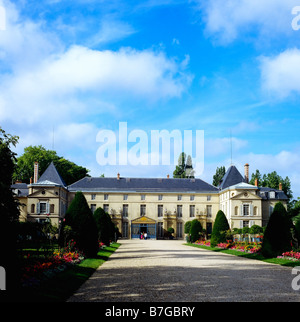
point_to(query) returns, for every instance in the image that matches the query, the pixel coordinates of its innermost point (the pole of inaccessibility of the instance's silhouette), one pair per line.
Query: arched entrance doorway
(143, 225)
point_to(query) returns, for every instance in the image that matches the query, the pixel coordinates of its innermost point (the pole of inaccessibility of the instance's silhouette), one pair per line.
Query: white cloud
(48, 88)
(221, 146)
(111, 30)
(280, 75)
(228, 19)
(24, 43)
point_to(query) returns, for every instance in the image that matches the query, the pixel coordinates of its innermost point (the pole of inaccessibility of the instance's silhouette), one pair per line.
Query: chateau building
(151, 205)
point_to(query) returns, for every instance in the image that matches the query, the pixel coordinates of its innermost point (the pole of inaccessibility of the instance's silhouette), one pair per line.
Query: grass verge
(63, 285)
(278, 261)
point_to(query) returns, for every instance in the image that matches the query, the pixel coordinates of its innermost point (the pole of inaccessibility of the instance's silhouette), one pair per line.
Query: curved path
(168, 271)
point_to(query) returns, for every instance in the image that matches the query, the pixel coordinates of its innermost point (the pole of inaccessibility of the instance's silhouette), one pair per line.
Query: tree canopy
(220, 172)
(9, 212)
(184, 169)
(68, 170)
(272, 180)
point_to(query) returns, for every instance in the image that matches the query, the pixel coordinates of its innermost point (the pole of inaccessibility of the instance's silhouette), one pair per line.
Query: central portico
(141, 225)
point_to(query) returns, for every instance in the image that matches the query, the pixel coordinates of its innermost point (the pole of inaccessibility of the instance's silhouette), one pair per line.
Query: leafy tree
(9, 212)
(257, 176)
(277, 236)
(69, 171)
(294, 210)
(83, 227)
(189, 171)
(195, 230)
(105, 226)
(220, 227)
(184, 169)
(272, 180)
(220, 172)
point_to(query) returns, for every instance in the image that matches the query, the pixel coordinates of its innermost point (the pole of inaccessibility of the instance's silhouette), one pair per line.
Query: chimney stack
(30, 180)
(256, 182)
(168, 176)
(280, 186)
(36, 172)
(118, 176)
(247, 172)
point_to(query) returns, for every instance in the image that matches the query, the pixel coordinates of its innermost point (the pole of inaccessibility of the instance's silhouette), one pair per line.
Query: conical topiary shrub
(105, 226)
(83, 227)
(195, 230)
(221, 225)
(277, 236)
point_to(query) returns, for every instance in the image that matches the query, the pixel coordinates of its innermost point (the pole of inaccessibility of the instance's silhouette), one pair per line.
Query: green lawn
(279, 261)
(63, 285)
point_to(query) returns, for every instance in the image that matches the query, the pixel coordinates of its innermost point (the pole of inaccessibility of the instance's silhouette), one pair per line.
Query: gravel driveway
(168, 271)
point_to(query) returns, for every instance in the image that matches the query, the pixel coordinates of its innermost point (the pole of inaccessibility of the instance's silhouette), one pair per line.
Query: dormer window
(272, 194)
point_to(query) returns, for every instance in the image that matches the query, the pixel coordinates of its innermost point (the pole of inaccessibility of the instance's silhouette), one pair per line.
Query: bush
(195, 230)
(187, 227)
(255, 229)
(219, 229)
(105, 226)
(83, 227)
(277, 237)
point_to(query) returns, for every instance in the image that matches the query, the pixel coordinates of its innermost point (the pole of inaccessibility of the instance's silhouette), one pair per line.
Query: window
(255, 211)
(32, 208)
(246, 210)
(245, 223)
(106, 208)
(208, 198)
(105, 197)
(125, 210)
(93, 208)
(143, 210)
(208, 211)
(125, 229)
(160, 210)
(160, 229)
(52, 207)
(179, 230)
(43, 208)
(192, 197)
(272, 194)
(160, 197)
(125, 197)
(179, 197)
(236, 210)
(143, 197)
(93, 197)
(179, 210)
(192, 210)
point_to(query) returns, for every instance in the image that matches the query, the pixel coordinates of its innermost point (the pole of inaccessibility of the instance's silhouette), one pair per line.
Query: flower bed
(203, 242)
(239, 246)
(37, 270)
(292, 255)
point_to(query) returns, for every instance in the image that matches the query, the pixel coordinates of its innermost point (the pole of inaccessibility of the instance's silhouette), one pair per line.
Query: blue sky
(228, 67)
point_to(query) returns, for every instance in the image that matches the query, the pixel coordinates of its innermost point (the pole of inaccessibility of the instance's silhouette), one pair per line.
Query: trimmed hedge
(221, 225)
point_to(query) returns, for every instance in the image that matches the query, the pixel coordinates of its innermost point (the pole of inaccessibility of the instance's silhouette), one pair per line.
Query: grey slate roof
(20, 189)
(52, 176)
(264, 193)
(142, 185)
(231, 177)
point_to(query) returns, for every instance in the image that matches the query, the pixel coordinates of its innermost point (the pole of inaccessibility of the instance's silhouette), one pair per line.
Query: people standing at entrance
(142, 235)
(145, 236)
